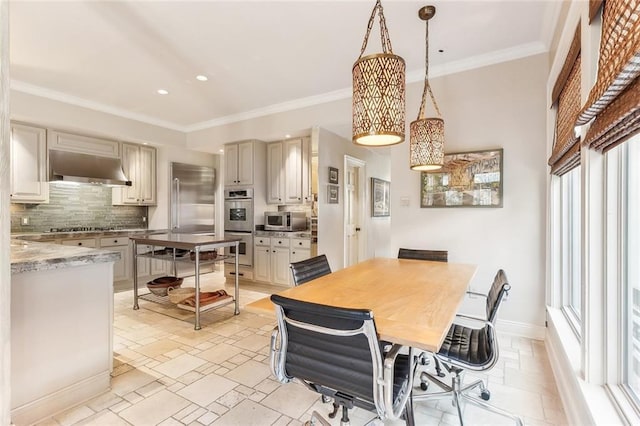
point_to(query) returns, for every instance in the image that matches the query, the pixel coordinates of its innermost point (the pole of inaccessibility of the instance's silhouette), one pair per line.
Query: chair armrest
(394, 412)
(275, 359)
(475, 293)
(475, 319)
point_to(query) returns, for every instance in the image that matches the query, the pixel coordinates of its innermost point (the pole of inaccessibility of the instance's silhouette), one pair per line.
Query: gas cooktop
(83, 229)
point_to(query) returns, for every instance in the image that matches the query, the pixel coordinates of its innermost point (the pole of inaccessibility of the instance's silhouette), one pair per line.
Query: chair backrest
(437, 255)
(328, 347)
(499, 289)
(309, 269)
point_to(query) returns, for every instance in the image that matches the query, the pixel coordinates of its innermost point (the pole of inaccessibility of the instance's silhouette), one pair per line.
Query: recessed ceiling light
(201, 77)
(163, 92)
(287, 136)
(145, 143)
(221, 150)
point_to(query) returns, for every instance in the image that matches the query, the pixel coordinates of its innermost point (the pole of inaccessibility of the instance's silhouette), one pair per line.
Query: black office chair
(336, 353)
(420, 254)
(467, 348)
(309, 269)
(437, 255)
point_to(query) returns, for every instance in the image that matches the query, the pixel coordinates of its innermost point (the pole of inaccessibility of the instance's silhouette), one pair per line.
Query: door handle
(176, 205)
(357, 229)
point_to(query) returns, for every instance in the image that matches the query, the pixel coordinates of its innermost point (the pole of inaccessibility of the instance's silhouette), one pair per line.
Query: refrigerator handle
(176, 204)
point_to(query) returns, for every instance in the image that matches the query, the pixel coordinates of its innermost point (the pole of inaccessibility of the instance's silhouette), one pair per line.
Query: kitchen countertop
(27, 256)
(48, 236)
(281, 234)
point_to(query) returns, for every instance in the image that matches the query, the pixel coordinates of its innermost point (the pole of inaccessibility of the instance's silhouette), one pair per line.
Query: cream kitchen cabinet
(29, 181)
(139, 163)
(238, 163)
(288, 171)
(82, 144)
(271, 256)
(121, 267)
(300, 249)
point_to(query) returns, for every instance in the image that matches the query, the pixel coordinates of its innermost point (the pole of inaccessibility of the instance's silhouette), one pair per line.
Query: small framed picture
(333, 175)
(333, 192)
(379, 197)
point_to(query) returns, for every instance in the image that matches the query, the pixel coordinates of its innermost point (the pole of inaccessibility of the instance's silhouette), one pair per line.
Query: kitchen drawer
(262, 241)
(84, 242)
(301, 243)
(114, 241)
(280, 242)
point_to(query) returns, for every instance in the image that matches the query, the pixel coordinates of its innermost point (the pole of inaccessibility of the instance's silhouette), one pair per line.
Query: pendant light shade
(426, 147)
(378, 92)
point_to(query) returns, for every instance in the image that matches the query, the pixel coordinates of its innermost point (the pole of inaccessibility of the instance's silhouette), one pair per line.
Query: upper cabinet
(288, 172)
(28, 164)
(139, 164)
(83, 144)
(238, 167)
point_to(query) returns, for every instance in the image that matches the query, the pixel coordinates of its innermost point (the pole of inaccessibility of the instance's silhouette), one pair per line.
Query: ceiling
(114, 56)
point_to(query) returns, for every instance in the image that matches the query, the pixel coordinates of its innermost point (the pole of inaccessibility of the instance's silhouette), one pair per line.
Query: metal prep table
(191, 242)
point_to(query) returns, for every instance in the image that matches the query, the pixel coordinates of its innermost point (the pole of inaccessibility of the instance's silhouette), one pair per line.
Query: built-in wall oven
(245, 248)
(238, 223)
(238, 210)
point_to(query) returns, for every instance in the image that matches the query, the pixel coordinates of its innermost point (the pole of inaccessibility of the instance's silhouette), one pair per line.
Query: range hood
(84, 168)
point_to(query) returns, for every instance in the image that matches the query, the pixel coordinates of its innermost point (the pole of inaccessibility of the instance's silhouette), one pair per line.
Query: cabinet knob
(279, 242)
(79, 244)
(115, 241)
(300, 243)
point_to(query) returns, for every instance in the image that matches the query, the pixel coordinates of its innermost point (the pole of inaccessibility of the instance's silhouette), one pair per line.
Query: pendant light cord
(427, 86)
(384, 32)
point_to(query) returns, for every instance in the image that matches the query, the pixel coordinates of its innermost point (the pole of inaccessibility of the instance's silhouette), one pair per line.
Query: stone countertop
(27, 256)
(49, 236)
(281, 234)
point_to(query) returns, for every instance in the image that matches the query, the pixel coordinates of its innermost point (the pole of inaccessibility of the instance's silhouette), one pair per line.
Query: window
(631, 291)
(570, 253)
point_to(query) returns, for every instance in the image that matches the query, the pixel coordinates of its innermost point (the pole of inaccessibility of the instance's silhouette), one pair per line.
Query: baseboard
(61, 400)
(521, 329)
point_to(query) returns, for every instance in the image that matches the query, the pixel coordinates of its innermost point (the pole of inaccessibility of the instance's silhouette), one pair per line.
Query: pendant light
(426, 137)
(378, 92)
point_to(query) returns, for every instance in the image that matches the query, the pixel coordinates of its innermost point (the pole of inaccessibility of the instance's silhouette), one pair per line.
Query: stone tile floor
(166, 373)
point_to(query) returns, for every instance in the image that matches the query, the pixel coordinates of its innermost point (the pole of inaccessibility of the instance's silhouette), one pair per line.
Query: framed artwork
(380, 197)
(333, 192)
(467, 179)
(333, 175)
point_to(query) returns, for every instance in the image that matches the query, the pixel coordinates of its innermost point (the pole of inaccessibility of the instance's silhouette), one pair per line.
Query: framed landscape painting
(467, 179)
(379, 197)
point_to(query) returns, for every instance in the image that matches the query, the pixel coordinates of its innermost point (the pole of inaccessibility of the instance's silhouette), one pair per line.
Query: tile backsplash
(76, 205)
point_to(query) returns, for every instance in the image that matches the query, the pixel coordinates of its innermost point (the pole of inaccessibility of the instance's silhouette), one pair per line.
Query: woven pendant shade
(378, 92)
(426, 147)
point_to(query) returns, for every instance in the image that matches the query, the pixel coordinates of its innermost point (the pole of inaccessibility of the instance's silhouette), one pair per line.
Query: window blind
(565, 154)
(614, 100)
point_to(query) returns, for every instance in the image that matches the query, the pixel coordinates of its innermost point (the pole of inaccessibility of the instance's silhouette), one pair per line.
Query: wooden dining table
(414, 302)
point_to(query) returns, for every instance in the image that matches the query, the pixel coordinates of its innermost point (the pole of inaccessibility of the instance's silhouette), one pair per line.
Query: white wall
(497, 106)
(331, 151)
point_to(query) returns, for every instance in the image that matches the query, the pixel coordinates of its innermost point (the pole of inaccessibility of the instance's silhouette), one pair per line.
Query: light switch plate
(25, 220)
(404, 201)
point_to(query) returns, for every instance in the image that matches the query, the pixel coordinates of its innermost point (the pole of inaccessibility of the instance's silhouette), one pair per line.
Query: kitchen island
(61, 327)
(197, 243)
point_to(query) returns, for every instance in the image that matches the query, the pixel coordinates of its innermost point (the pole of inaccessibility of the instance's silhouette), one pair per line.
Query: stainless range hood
(84, 168)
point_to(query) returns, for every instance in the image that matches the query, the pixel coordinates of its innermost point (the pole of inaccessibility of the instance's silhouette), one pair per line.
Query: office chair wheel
(485, 394)
(424, 386)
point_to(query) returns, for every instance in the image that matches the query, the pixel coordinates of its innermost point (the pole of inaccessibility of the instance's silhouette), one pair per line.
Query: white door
(352, 227)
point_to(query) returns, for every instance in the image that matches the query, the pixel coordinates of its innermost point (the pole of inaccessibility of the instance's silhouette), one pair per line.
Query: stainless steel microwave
(285, 221)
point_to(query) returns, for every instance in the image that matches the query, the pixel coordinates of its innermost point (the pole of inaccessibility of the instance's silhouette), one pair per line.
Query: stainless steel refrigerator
(192, 199)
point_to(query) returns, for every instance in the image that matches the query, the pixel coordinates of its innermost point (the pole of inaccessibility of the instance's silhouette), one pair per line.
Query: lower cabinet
(271, 260)
(272, 256)
(122, 267)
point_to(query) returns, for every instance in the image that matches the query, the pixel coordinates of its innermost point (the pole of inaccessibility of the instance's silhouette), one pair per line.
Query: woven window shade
(617, 122)
(566, 148)
(594, 8)
(619, 61)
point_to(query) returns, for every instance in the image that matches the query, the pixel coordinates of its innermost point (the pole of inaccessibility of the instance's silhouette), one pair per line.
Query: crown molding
(505, 55)
(31, 89)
